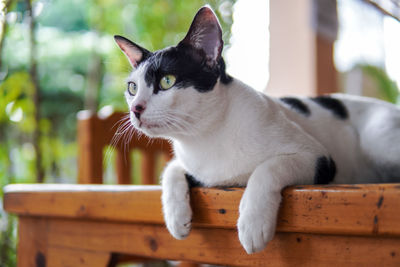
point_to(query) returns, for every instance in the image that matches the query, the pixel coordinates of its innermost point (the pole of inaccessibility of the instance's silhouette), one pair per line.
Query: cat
(224, 133)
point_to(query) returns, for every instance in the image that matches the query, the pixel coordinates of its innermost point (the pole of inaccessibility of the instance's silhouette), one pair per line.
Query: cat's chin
(155, 130)
(151, 130)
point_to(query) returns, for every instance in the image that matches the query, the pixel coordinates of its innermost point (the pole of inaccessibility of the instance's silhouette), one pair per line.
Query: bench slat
(339, 209)
(221, 246)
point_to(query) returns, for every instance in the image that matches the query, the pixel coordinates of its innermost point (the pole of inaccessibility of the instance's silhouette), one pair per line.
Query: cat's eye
(132, 88)
(167, 82)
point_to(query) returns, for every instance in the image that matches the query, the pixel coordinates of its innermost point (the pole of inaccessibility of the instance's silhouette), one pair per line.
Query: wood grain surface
(340, 209)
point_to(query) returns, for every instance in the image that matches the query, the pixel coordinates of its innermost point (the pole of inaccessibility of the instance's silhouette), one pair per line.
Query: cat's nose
(138, 110)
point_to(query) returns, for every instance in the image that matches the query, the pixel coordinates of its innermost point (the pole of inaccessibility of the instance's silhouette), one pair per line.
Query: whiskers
(122, 137)
(169, 123)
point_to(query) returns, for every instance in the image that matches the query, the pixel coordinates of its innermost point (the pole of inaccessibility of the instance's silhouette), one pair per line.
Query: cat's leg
(260, 202)
(176, 200)
(380, 141)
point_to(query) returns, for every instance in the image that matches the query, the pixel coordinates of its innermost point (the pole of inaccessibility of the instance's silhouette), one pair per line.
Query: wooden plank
(346, 209)
(32, 242)
(90, 144)
(86, 201)
(123, 166)
(221, 246)
(341, 209)
(69, 257)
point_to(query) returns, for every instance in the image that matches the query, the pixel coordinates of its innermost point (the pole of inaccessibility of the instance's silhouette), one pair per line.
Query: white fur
(233, 135)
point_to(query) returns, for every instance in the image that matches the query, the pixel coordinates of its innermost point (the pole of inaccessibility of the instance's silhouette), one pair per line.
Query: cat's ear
(133, 52)
(205, 34)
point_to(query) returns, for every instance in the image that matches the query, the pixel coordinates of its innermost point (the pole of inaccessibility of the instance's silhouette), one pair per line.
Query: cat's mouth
(149, 125)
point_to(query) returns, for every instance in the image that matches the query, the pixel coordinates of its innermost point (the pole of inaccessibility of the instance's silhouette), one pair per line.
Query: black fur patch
(325, 170)
(334, 105)
(225, 77)
(192, 182)
(297, 105)
(188, 65)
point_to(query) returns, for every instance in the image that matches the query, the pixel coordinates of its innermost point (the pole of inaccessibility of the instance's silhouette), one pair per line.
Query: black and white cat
(225, 133)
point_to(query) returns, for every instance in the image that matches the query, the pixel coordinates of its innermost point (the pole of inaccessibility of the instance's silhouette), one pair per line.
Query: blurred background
(59, 57)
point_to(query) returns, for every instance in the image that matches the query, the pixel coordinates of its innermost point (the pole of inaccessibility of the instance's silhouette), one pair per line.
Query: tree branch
(36, 93)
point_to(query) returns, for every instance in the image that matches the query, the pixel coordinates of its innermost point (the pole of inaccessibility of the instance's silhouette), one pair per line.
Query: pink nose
(138, 110)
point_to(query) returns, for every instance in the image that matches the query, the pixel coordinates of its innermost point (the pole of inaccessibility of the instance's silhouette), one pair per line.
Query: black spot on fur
(297, 105)
(334, 105)
(325, 170)
(192, 182)
(188, 65)
(222, 211)
(225, 77)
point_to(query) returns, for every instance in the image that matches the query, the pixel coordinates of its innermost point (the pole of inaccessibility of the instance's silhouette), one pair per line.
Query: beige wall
(292, 48)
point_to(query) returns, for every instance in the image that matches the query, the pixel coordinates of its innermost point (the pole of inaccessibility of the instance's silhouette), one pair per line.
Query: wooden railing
(65, 225)
(96, 132)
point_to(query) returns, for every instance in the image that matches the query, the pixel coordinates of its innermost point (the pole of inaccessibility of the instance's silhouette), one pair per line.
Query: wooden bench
(89, 225)
(96, 131)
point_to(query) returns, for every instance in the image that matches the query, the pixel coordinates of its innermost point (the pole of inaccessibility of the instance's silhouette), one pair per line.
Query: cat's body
(352, 139)
(361, 135)
(225, 133)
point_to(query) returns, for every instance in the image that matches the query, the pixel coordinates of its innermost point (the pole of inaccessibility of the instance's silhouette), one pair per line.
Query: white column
(292, 49)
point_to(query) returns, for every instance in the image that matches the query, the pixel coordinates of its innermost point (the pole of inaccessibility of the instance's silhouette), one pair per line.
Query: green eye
(132, 88)
(167, 82)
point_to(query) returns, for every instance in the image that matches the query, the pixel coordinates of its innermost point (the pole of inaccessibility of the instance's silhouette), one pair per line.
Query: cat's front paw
(178, 218)
(176, 201)
(255, 231)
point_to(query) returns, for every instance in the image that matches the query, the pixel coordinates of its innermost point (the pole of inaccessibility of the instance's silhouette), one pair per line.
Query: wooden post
(32, 242)
(90, 143)
(292, 49)
(123, 166)
(148, 167)
(326, 78)
(325, 24)
(301, 52)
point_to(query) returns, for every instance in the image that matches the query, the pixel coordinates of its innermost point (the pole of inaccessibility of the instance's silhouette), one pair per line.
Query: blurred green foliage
(69, 35)
(387, 88)
(75, 52)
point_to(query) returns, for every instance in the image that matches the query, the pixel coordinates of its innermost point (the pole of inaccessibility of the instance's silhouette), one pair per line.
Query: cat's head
(171, 92)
